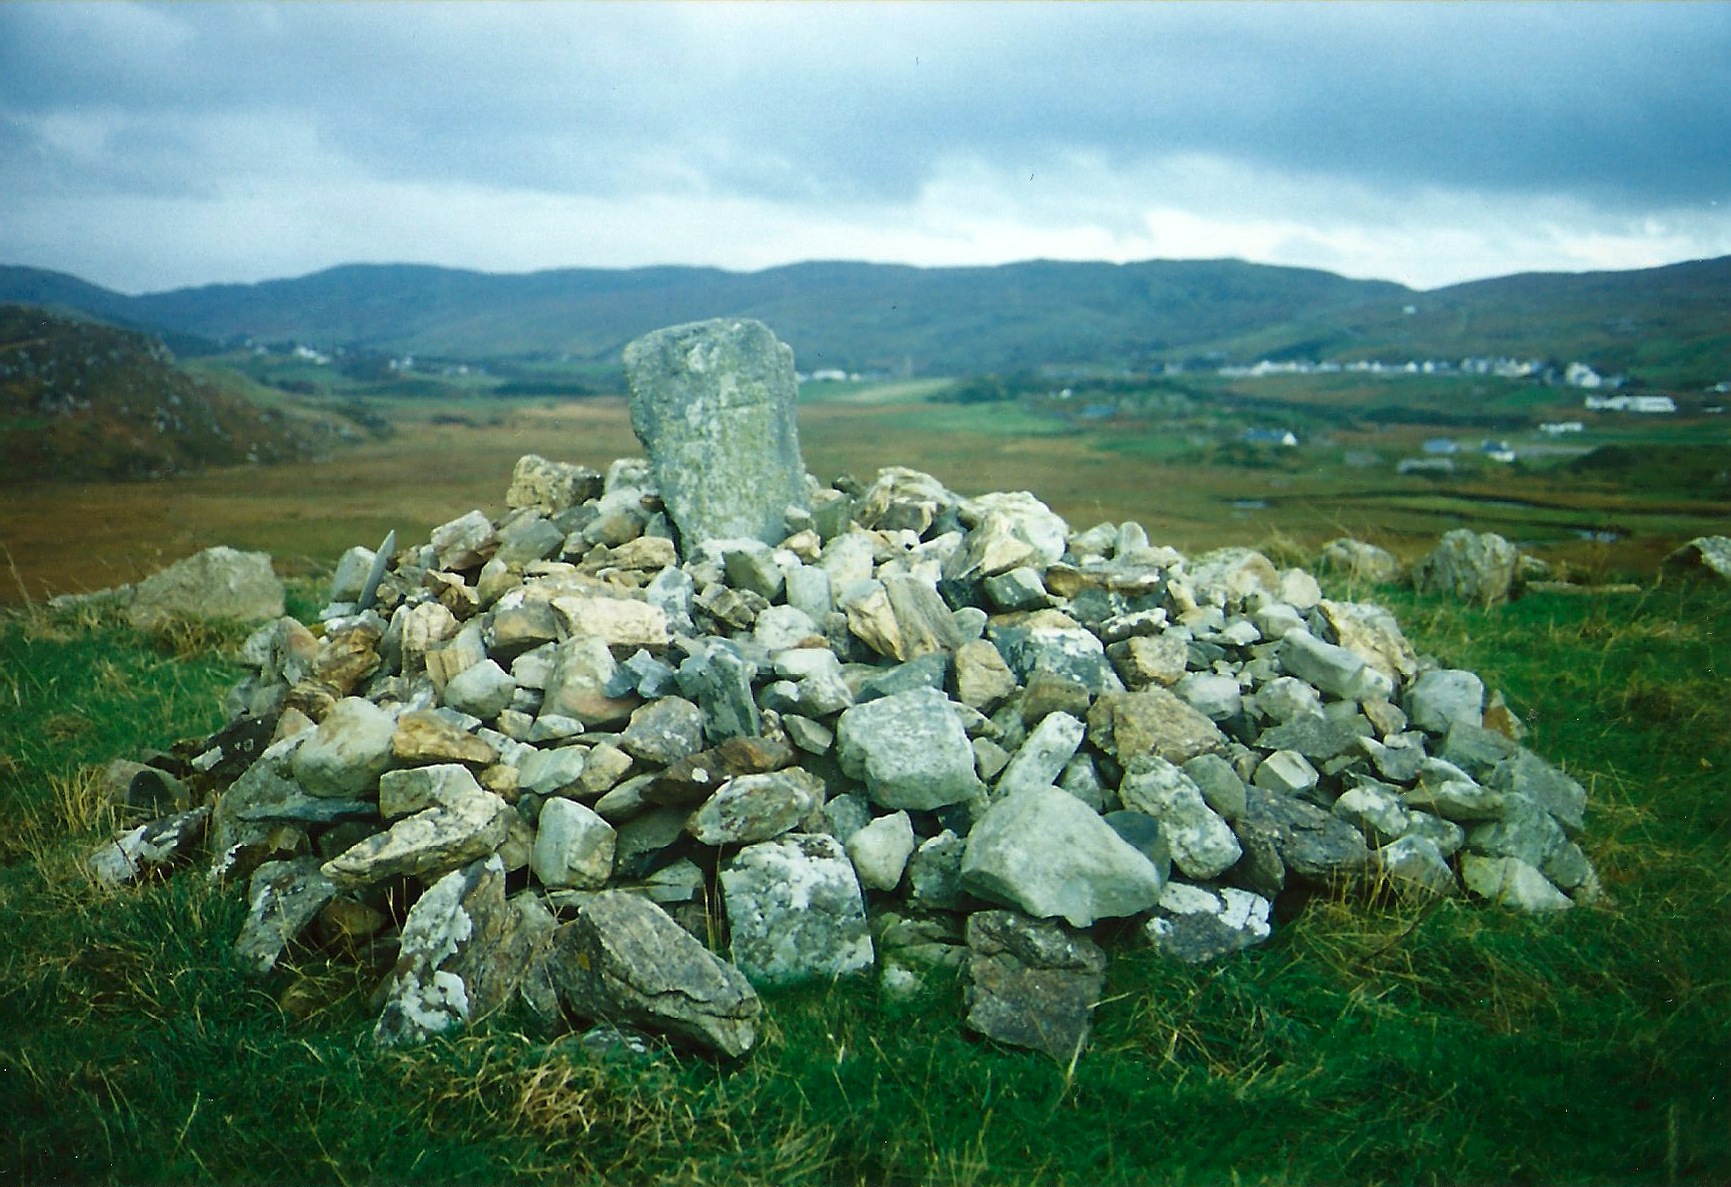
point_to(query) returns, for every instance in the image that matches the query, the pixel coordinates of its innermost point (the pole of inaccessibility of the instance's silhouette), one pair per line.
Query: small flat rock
(624, 960)
(753, 808)
(1152, 721)
(1309, 842)
(431, 842)
(283, 898)
(424, 737)
(1197, 924)
(150, 848)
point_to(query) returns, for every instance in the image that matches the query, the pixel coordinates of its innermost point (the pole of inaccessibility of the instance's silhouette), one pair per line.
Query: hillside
(920, 321)
(1667, 326)
(80, 401)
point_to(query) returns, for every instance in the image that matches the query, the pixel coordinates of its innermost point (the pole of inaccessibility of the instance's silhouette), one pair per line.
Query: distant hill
(82, 401)
(1668, 326)
(924, 321)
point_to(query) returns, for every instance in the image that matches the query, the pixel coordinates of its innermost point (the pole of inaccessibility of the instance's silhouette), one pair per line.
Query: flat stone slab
(713, 403)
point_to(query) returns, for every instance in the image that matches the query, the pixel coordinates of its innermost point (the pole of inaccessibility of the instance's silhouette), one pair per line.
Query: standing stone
(625, 961)
(713, 403)
(795, 911)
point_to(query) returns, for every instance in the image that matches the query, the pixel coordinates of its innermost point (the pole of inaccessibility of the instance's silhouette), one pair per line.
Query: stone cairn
(701, 724)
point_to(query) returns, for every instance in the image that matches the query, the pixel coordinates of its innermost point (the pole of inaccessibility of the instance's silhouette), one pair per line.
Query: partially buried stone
(1197, 923)
(283, 898)
(713, 403)
(1032, 983)
(149, 848)
(624, 960)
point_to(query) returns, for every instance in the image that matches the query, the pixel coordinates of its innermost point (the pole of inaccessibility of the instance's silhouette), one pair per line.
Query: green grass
(1363, 1044)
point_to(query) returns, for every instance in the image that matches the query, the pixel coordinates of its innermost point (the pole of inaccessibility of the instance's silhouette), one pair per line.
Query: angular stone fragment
(1152, 721)
(1202, 844)
(1523, 830)
(403, 793)
(423, 737)
(1313, 735)
(1309, 842)
(1042, 757)
(1197, 924)
(663, 731)
(752, 808)
(1443, 698)
(1215, 697)
(910, 750)
(1375, 810)
(573, 846)
(1221, 788)
(464, 950)
(432, 841)
(1332, 668)
(1032, 983)
(1047, 853)
(550, 772)
(1372, 632)
(718, 678)
(625, 961)
(550, 487)
(1058, 644)
(795, 912)
(149, 848)
(1286, 772)
(1415, 865)
(577, 686)
(713, 403)
(348, 752)
(483, 690)
(465, 542)
(218, 583)
(1529, 775)
(283, 898)
(880, 851)
(624, 625)
(1143, 660)
(1512, 883)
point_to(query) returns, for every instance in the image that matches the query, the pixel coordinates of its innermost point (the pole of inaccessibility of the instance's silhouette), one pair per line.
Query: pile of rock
(599, 758)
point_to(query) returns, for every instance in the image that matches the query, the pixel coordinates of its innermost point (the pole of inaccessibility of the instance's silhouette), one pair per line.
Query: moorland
(1372, 1042)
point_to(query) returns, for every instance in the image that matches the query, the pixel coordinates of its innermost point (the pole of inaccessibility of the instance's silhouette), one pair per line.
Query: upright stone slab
(713, 403)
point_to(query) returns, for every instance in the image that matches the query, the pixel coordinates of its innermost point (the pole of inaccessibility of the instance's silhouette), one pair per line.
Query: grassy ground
(1386, 1044)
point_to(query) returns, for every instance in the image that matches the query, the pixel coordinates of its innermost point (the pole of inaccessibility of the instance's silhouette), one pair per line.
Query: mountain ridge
(953, 321)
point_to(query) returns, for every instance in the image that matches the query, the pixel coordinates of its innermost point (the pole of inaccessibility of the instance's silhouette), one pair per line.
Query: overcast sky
(147, 146)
